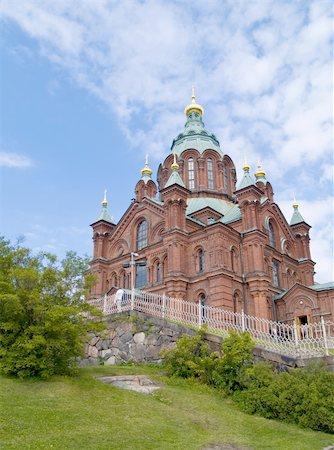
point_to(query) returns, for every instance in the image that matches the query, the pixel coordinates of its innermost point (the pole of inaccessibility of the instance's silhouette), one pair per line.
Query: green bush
(42, 312)
(302, 396)
(186, 359)
(192, 359)
(237, 352)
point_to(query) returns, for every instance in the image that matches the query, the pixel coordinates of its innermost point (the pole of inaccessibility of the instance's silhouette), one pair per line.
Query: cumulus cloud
(263, 72)
(266, 61)
(14, 161)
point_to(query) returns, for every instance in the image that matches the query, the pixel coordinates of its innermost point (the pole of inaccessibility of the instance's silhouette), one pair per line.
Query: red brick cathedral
(199, 235)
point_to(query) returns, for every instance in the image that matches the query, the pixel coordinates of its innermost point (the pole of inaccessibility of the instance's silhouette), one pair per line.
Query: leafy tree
(42, 311)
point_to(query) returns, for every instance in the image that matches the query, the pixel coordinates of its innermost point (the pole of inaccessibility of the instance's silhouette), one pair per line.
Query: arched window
(142, 235)
(275, 268)
(204, 309)
(233, 260)
(225, 176)
(191, 173)
(210, 174)
(272, 240)
(158, 274)
(141, 275)
(200, 260)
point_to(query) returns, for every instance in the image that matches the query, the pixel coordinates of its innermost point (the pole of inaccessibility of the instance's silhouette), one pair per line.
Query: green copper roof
(322, 286)
(296, 216)
(174, 179)
(195, 136)
(104, 215)
(247, 180)
(146, 178)
(196, 204)
(232, 215)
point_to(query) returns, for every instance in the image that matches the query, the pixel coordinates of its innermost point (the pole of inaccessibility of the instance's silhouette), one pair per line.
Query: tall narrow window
(275, 273)
(158, 272)
(210, 174)
(141, 276)
(191, 173)
(142, 235)
(225, 175)
(200, 256)
(124, 280)
(272, 240)
(204, 309)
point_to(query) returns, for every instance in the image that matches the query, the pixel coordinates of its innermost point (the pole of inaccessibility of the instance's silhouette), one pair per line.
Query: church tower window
(191, 173)
(272, 239)
(225, 176)
(142, 235)
(200, 261)
(275, 268)
(158, 272)
(210, 174)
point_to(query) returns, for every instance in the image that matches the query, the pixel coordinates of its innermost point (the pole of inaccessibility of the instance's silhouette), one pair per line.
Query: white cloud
(15, 161)
(263, 72)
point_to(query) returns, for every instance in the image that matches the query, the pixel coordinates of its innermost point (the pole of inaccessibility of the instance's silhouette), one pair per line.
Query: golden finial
(104, 202)
(193, 105)
(246, 166)
(294, 204)
(193, 94)
(175, 165)
(260, 173)
(146, 170)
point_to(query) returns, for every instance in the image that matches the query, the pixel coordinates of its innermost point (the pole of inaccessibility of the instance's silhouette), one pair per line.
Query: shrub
(186, 359)
(237, 351)
(302, 396)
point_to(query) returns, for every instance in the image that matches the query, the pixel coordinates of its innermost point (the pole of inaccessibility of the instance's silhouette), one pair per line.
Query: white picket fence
(305, 341)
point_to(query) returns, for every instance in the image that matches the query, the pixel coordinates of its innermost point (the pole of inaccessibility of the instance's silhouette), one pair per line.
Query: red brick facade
(202, 235)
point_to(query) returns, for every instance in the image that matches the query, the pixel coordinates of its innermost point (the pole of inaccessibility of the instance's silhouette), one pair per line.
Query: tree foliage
(42, 311)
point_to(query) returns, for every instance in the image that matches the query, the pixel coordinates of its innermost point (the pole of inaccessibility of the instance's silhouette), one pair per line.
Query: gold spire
(105, 202)
(175, 165)
(146, 170)
(246, 166)
(294, 204)
(260, 173)
(193, 105)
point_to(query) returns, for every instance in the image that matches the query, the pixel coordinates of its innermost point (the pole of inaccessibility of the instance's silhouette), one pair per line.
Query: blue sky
(89, 87)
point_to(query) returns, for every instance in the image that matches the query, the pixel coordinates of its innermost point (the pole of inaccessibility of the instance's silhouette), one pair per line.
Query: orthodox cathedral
(197, 234)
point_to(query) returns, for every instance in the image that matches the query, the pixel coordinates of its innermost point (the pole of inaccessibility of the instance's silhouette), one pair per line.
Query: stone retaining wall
(133, 336)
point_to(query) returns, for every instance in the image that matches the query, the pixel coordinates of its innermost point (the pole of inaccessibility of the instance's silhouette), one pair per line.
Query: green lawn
(83, 413)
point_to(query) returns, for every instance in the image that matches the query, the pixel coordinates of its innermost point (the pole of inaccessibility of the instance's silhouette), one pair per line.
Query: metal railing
(314, 339)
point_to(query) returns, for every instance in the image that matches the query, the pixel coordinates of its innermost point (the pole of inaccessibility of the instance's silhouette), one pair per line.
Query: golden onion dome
(146, 170)
(246, 167)
(260, 173)
(193, 105)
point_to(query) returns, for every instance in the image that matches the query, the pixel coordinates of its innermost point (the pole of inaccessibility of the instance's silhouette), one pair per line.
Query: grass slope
(82, 413)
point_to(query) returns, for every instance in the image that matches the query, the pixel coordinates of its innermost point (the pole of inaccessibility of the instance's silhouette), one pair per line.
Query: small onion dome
(260, 173)
(104, 202)
(175, 165)
(246, 167)
(146, 170)
(193, 105)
